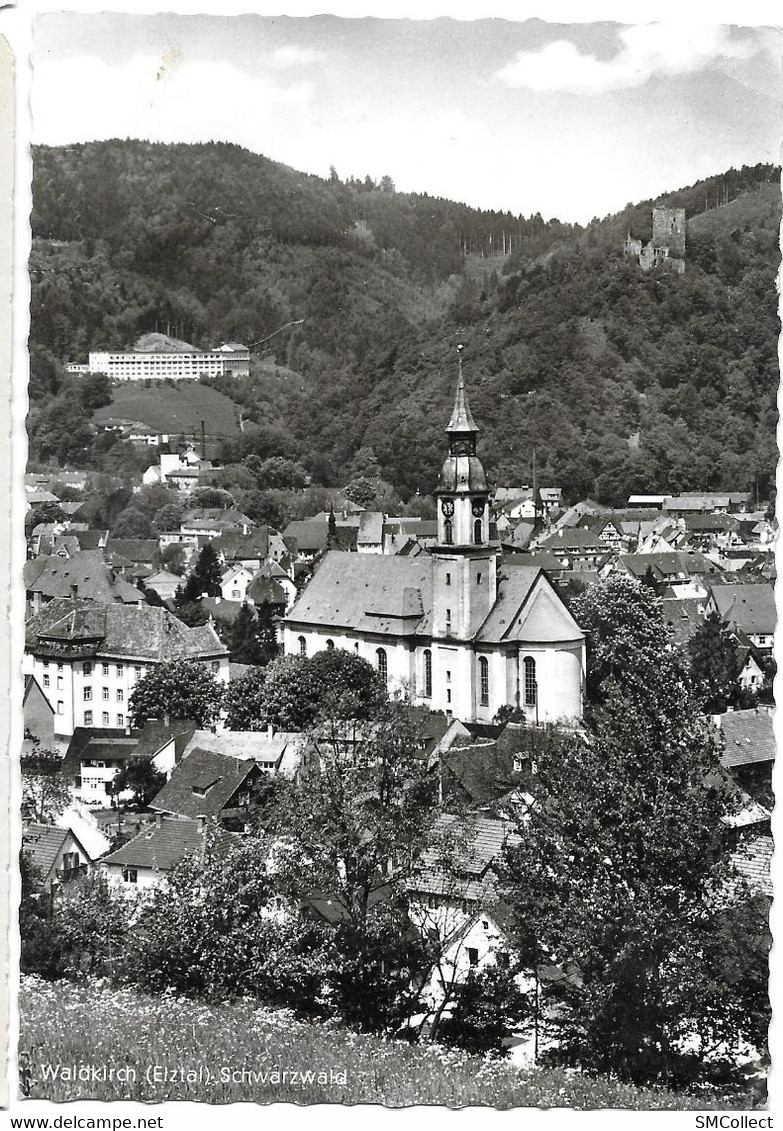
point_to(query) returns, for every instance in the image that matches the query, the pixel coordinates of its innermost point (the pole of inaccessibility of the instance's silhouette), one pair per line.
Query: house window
(356, 646)
(472, 955)
(87, 667)
(448, 622)
(59, 683)
(120, 720)
(120, 696)
(484, 680)
(88, 718)
(105, 669)
(137, 671)
(383, 666)
(59, 667)
(215, 666)
(105, 693)
(130, 875)
(105, 718)
(531, 687)
(60, 707)
(478, 578)
(120, 670)
(302, 646)
(46, 680)
(448, 694)
(477, 531)
(46, 663)
(448, 532)
(87, 694)
(448, 579)
(329, 645)
(427, 673)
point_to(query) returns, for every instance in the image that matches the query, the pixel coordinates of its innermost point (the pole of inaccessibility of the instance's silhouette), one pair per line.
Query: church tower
(465, 574)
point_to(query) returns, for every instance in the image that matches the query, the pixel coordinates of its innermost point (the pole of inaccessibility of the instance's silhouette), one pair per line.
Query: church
(455, 629)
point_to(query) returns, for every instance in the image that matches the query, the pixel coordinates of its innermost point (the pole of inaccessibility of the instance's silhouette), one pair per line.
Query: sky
(571, 120)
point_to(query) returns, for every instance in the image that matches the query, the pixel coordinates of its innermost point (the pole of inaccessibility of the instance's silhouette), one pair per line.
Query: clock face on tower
(447, 506)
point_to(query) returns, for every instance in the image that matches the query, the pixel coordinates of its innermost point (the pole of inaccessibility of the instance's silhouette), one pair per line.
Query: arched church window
(427, 673)
(383, 664)
(329, 645)
(448, 532)
(483, 665)
(531, 687)
(477, 531)
(302, 646)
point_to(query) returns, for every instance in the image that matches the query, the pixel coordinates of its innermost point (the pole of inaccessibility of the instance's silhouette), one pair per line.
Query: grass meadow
(170, 1048)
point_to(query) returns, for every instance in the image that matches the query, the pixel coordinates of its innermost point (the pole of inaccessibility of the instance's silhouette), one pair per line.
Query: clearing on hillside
(173, 408)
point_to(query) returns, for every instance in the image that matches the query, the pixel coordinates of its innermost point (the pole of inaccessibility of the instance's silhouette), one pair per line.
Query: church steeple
(462, 427)
(465, 566)
(463, 491)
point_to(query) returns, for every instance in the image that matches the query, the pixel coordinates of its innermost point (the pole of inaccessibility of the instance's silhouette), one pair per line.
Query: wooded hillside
(622, 381)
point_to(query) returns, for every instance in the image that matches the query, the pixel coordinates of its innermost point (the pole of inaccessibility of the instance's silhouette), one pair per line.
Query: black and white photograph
(398, 563)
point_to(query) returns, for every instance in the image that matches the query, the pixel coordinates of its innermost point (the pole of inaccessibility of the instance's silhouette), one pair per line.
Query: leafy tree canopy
(182, 689)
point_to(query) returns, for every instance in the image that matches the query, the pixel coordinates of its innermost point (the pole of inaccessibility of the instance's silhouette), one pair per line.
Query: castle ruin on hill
(667, 246)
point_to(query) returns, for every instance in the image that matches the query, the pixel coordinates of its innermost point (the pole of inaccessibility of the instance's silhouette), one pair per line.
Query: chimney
(158, 820)
(201, 822)
(270, 730)
(166, 719)
(74, 590)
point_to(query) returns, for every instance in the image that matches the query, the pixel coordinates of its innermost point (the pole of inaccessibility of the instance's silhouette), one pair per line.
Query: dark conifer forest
(620, 380)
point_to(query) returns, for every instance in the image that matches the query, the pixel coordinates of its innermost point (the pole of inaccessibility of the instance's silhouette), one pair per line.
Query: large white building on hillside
(449, 627)
(137, 365)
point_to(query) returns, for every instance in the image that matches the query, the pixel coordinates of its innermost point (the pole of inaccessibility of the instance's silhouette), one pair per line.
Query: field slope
(173, 408)
(242, 1052)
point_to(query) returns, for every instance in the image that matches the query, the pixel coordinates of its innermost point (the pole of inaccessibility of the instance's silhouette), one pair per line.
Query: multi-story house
(87, 658)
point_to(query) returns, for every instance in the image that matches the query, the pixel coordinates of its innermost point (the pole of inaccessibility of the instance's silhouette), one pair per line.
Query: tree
(132, 523)
(625, 630)
(172, 557)
(714, 664)
(300, 690)
(45, 789)
(204, 581)
(244, 702)
(623, 848)
(488, 1009)
(277, 472)
(361, 491)
(168, 517)
(94, 392)
(140, 776)
(251, 640)
(182, 689)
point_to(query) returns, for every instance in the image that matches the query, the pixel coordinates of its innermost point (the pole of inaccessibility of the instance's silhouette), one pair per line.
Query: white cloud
(159, 97)
(293, 56)
(646, 50)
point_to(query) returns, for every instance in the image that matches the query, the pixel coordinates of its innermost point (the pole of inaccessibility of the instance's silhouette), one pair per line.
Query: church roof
(528, 609)
(368, 593)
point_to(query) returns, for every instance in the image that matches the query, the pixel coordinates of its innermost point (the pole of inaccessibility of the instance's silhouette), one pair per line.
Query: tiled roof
(235, 546)
(160, 846)
(247, 745)
(459, 864)
(751, 607)
(89, 574)
(202, 784)
(528, 608)
(748, 737)
(43, 843)
(102, 744)
(134, 549)
(367, 592)
(264, 591)
(684, 615)
(370, 528)
(753, 861)
(571, 538)
(669, 564)
(138, 632)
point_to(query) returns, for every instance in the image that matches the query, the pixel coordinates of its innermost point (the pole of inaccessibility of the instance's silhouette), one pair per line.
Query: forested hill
(620, 380)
